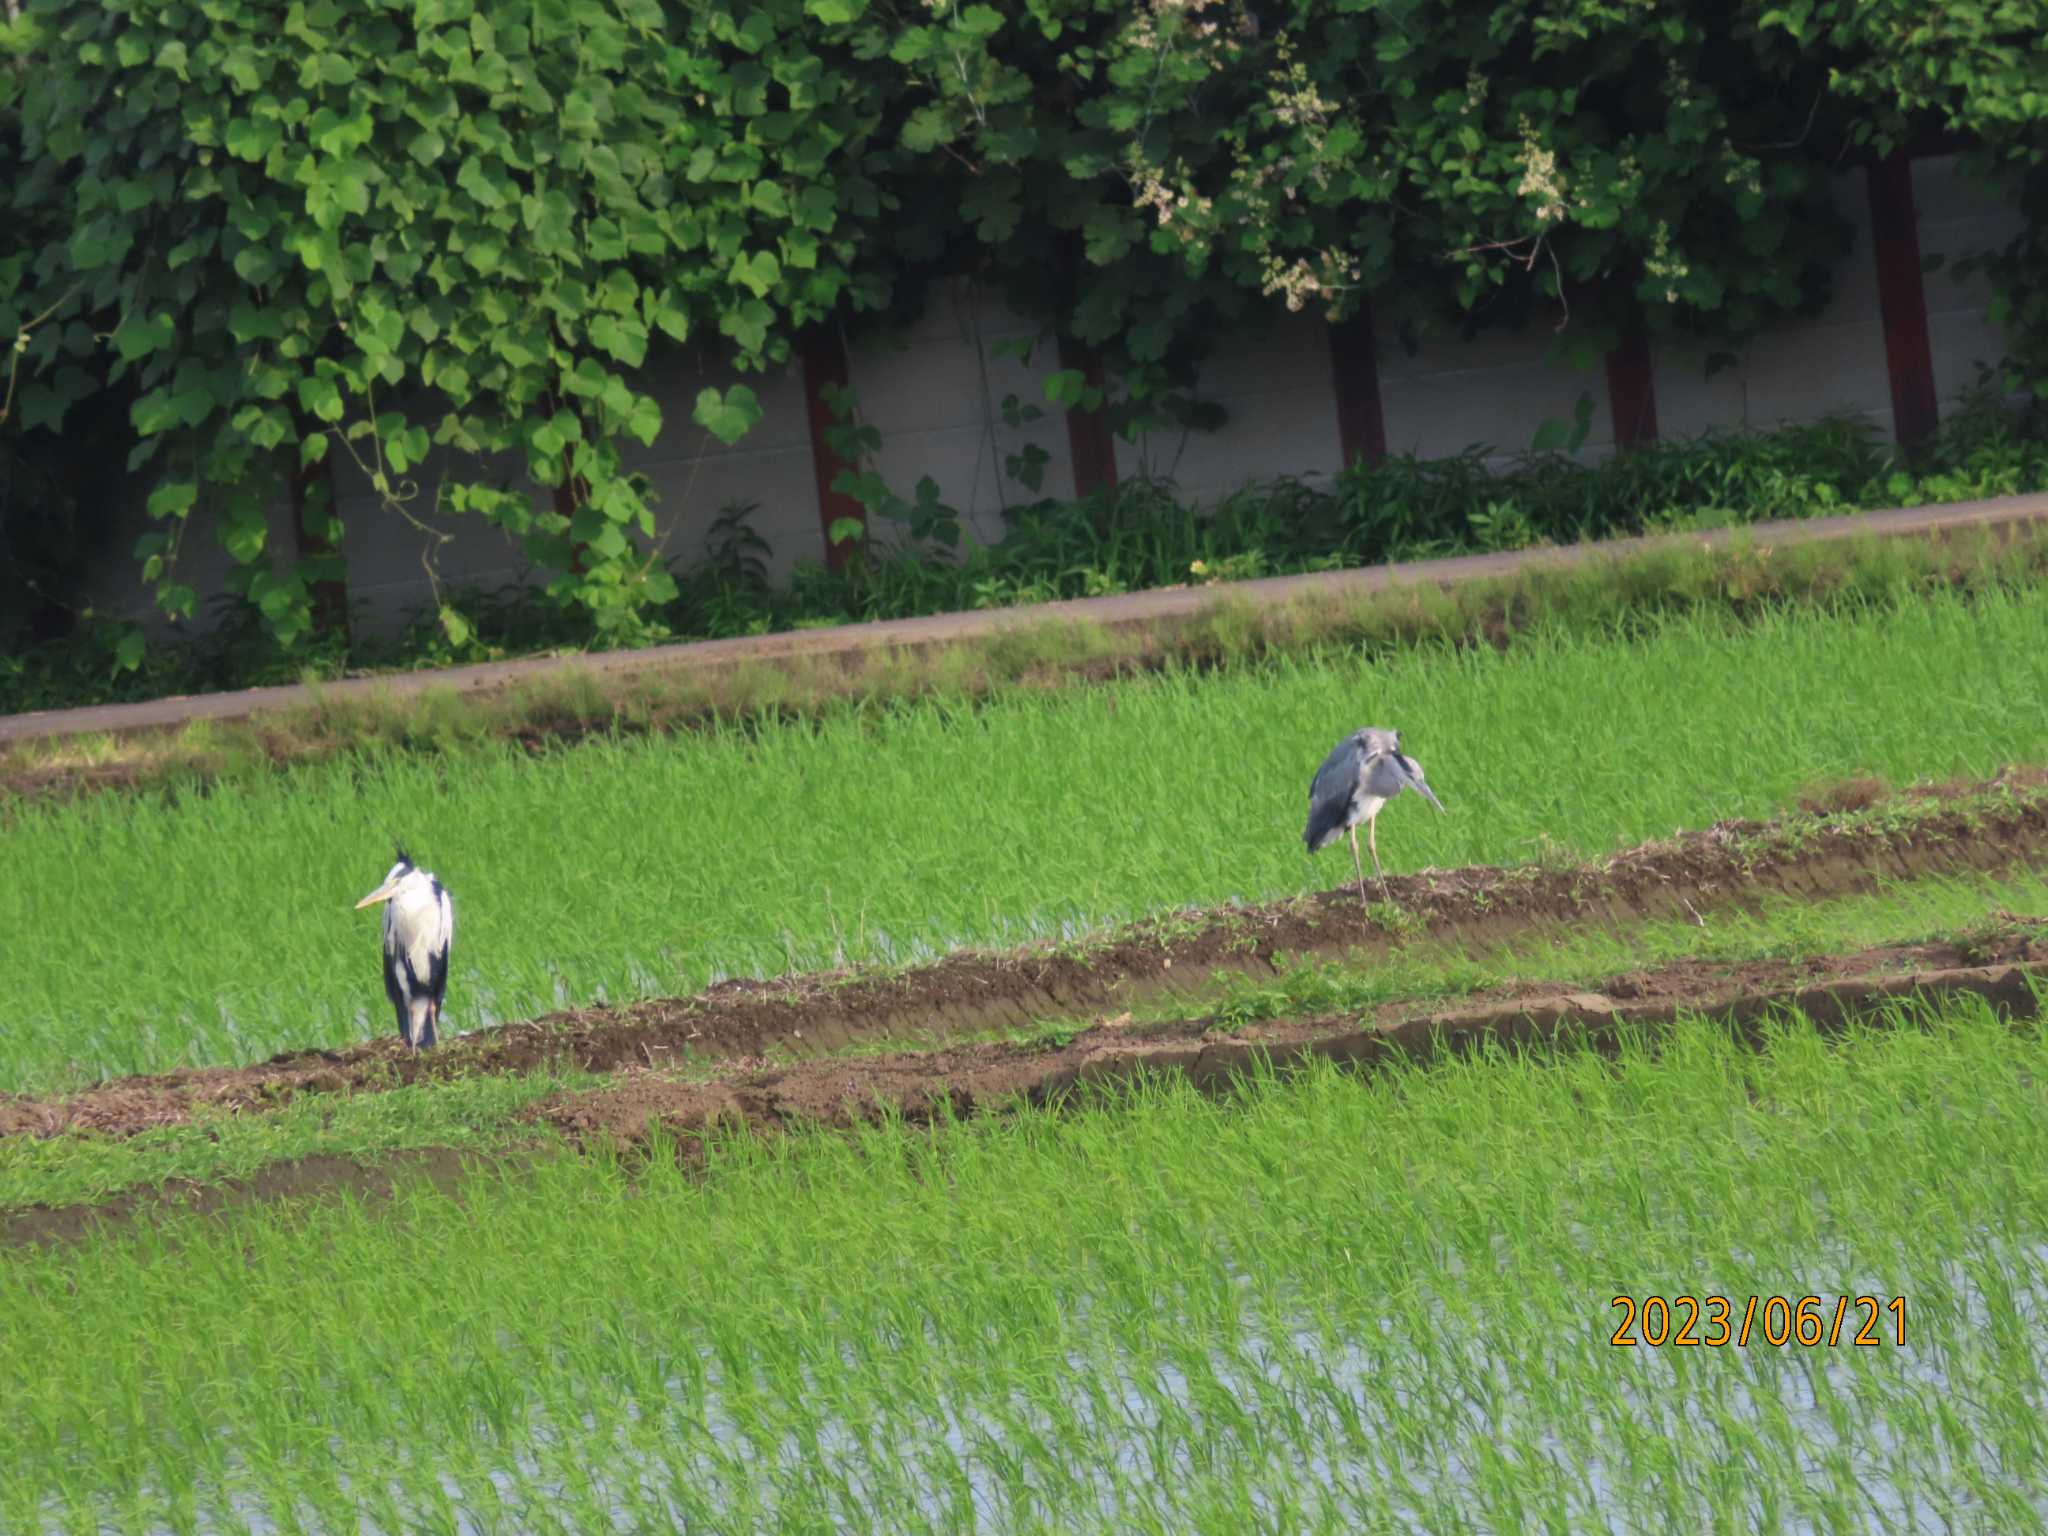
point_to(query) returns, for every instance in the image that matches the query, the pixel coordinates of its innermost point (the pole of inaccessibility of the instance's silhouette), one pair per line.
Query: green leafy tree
(1156, 173)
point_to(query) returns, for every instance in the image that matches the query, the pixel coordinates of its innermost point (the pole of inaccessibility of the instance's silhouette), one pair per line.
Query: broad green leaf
(174, 498)
(246, 66)
(139, 335)
(256, 264)
(252, 139)
(244, 540)
(1068, 387)
(980, 21)
(759, 272)
(476, 181)
(927, 128)
(727, 416)
(320, 395)
(621, 336)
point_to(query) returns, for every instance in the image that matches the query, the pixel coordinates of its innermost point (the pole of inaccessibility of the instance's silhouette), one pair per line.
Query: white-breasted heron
(419, 927)
(1362, 773)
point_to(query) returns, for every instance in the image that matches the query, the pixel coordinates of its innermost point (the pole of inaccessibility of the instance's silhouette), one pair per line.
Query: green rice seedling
(1381, 1301)
(190, 928)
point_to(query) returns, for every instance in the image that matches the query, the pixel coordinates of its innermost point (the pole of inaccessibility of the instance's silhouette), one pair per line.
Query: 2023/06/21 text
(1718, 1321)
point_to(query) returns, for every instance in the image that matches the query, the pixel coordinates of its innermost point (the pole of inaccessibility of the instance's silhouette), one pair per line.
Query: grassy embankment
(1614, 594)
(217, 928)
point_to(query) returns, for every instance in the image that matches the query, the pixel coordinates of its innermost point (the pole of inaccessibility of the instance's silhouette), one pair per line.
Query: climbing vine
(435, 240)
(440, 247)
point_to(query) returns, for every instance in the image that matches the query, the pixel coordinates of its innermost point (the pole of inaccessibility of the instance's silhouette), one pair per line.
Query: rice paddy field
(1762, 1247)
(888, 837)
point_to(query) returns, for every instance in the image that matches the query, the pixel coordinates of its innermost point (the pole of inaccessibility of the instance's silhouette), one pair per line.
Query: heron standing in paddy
(1362, 773)
(419, 926)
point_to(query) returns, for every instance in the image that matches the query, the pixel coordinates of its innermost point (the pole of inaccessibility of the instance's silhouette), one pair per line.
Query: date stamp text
(1716, 1321)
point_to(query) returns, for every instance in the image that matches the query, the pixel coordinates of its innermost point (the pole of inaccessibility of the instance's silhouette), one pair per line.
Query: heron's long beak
(383, 892)
(1414, 781)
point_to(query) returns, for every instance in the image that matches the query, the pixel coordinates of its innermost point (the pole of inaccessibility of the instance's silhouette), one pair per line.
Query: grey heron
(1362, 773)
(419, 927)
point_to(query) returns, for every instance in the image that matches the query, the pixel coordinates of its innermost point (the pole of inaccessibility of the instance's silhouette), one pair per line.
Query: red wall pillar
(1355, 374)
(1632, 387)
(1089, 440)
(824, 363)
(1902, 299)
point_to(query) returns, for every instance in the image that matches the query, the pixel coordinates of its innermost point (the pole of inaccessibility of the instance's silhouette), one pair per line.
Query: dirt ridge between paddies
(1848, 841)
(918, 1087)
(2007, 965)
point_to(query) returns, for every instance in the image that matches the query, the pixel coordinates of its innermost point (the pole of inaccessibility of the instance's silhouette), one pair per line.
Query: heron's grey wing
(1339, 770)
(1331, 792)
(1390, 773)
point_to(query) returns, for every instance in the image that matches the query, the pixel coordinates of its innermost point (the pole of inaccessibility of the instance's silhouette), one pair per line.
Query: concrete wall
(1832, 364)
(1957, 218)
(936, 392)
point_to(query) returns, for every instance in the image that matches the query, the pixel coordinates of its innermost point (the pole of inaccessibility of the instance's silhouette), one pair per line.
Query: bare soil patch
(1808, 857)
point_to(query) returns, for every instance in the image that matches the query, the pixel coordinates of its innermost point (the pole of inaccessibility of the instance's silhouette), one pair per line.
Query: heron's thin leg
(1372, 838)
(1357, 862)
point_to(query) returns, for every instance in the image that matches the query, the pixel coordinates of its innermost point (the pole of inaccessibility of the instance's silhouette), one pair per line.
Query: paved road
(1133, 608)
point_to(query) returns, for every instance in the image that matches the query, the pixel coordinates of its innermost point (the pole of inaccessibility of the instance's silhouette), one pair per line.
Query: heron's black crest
(403, 857)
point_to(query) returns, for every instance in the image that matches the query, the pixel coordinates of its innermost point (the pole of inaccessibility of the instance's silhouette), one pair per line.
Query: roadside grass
(211, 928)
(1613, 594)
(1327, 1303)
(478, 1112)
